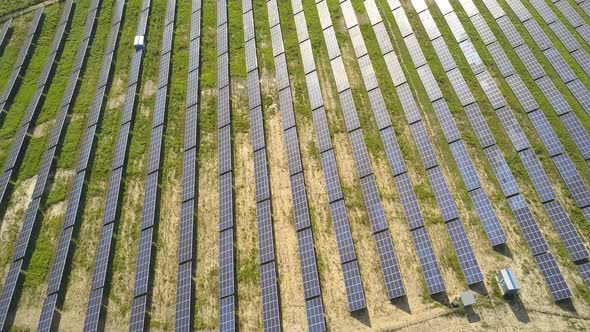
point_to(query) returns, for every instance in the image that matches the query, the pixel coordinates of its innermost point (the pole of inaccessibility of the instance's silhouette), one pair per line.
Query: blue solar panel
(464, 252)
(553, 277)
(428, 262)
(354, 287)
(309, 269)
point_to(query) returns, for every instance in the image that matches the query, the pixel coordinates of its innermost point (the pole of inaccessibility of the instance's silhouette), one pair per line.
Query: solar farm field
(298, 165)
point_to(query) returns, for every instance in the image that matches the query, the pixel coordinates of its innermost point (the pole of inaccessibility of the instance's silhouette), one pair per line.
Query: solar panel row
(149, 215)
(487, 214)
(536, 173)
(305, 242)
(54, 286)
(20, 66)
(94, 309)
(13, 162)
(4, 32)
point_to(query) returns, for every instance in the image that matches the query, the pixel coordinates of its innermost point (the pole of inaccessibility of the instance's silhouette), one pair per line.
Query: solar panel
(382, 37)
(394, 68)
(491, 90)
(512, 127)
(408, 103)
(183, 297)
(572, 180)
(300, 207)
(553, 95)
(560, 66)
(59, 261)
(313, 87)
(292, 147)
(486, 35)
(359, 151)
(465, 165)
(372, 12)
(226, 212)
(261, 175)
(456, 27)
(356, 37)
(373, 204)
(444, 55)
(342, 230)
(254, 90)
(537, 175)
(301, 26)
(429, 25)
(226, 263)
(502, 171)
(501, 60)
(307, 56)
(464, 252)
(227, 319)
(472, 57)
(150, 200)
(444, 6)
(24, 236)
(442, 194)
(265, 233)
(527, 224)
(546, 13)
(389, 265)
(46, 321)
(321, 126)
(584, 270)
(447, 123)
(349, 110)
(553, 277)
(430, 268)
(393, 152)
(143, 262)
(379, 109)
(9, 288)
(488, 217)
(415, 51)
(311, 284)
(430, 83)
(270, 297)
(424, 145)
(185, 246)
(582, 58)
(338, 71)
(566, 231)
(315, 314)
(546, 133)
(538, 35)
(469, 8)
(581, 94)
(331, 175)
(354, 287)
(225, 153)
(368, 73)
(569, 13)
(522, 93)
(577, 133)
(332, 43)
(324, 14)
(584, 32)
(349, 14)
(402, 22)
(409, 201)
(514, 38)
(460, 87)
(564, 36)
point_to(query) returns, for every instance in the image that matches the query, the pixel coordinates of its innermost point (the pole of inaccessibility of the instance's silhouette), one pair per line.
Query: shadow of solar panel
(315, 315)
(389, 265)
(409, 201)
(309, 269)
(488, 217)
(270, 297)
(464, 252)
(528, 226)
(553, 277)
(226, 263)
(138, 318)
(430, 268)
(183, 297)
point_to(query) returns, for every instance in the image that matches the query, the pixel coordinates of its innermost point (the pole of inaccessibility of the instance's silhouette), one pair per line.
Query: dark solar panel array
(580, 92)
(23, 242)
(307, 257)
(536, 173)
(21, 64)
(186, 256)
(102, 260)
(385, 249)
(352, 280)
(149, 217)
(227, 280)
